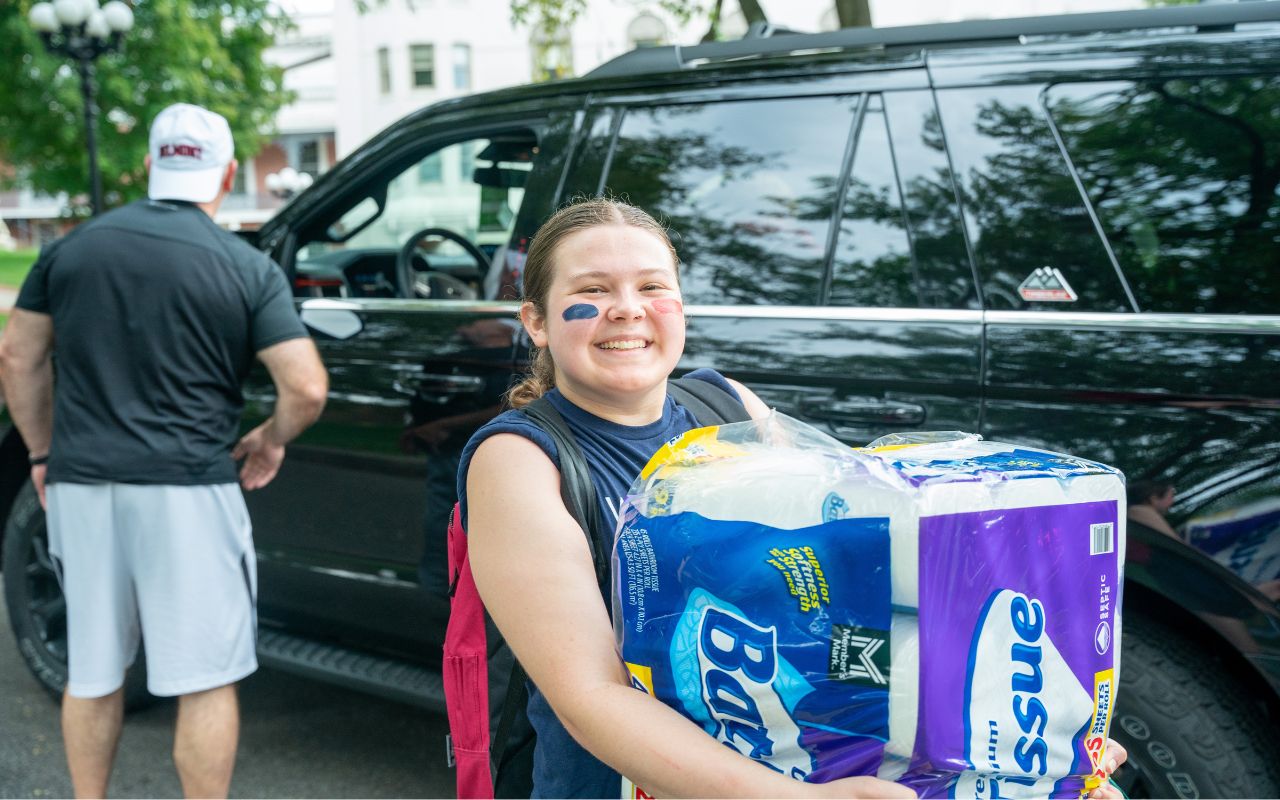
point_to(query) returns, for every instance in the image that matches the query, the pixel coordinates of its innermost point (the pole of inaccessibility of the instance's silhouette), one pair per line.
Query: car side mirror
(334, 318)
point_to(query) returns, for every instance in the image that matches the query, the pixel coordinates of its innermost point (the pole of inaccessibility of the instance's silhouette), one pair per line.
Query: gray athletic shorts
(172, 564)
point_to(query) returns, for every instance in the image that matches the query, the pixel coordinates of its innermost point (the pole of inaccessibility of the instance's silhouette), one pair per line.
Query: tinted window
(747, 188)
(872, 264)
(592, 151)
(943, 274)
(1022, 207)
(1184, 175)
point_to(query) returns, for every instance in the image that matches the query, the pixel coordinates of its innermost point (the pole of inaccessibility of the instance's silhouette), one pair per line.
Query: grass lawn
(14, 266)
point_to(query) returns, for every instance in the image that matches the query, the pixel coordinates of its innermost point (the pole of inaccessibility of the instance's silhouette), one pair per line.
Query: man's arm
(26, 368)
(302, 385)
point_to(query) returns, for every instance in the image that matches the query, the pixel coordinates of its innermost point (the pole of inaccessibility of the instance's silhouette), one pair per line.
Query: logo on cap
(188, 150)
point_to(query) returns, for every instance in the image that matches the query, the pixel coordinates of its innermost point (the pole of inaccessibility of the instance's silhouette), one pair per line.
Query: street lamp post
(287, 182)
(81, 31)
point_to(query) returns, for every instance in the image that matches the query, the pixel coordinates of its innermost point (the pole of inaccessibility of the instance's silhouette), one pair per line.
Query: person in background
(1149, 502)
(153, 316)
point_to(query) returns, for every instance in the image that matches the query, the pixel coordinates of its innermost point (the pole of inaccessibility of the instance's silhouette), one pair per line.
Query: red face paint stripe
(666, 306)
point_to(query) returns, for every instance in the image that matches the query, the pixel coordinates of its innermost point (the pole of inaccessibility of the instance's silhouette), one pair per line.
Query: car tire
(1191, 728)
(37, 608)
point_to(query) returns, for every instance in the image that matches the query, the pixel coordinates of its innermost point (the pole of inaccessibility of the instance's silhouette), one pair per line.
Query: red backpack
(490, 740)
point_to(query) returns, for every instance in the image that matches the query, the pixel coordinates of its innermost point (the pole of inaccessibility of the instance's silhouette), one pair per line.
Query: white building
(304, 130)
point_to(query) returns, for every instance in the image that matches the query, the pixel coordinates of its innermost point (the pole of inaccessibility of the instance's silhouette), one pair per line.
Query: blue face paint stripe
(581, 311)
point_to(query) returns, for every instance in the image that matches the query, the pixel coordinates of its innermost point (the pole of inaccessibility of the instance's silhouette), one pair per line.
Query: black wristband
(38, 460)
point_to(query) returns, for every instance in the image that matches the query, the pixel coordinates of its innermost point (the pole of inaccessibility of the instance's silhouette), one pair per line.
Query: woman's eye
(652, 287)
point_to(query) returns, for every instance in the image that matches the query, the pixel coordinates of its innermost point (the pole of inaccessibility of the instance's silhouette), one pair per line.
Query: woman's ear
(535, 324)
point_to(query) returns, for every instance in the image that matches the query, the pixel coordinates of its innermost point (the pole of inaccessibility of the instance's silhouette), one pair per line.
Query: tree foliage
(207, 52)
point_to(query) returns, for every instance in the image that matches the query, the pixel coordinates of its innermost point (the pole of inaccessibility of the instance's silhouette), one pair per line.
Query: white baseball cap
(190, 150)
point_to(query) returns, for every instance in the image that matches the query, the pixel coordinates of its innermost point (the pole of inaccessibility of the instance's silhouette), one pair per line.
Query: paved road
(299, 738)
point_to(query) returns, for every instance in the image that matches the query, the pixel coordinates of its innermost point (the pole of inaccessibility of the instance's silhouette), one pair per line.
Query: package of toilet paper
(933, 609)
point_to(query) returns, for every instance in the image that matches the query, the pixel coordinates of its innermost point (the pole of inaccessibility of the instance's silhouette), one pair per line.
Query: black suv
(1062, 232)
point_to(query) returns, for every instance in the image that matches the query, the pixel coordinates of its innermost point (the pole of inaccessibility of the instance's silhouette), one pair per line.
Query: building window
(422, 58)
(646, 30)
(309, 158)
(552, 56)
(462, 66)
(241, 181)
(384, 70)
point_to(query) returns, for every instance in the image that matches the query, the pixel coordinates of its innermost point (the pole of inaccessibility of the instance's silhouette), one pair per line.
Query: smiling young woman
(603, 309)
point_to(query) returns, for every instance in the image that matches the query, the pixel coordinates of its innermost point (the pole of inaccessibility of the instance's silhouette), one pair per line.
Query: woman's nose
(626, 306)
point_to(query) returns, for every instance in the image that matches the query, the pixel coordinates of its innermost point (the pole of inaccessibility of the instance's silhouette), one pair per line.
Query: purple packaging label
(1027, 600)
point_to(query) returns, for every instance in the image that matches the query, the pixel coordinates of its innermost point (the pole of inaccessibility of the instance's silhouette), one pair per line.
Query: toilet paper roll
(798, 490)
(992, 550)
(904, 696)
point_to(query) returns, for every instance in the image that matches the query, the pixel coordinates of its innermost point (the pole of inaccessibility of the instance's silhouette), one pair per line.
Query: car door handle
(441, 387)
(862, 410)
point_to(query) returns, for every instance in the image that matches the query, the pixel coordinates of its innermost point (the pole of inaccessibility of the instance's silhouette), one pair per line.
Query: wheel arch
(14, 472)
(1177, 585)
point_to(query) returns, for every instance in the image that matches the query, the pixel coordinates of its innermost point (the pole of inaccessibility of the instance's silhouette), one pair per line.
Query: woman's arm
(533, 569)
(754, 405)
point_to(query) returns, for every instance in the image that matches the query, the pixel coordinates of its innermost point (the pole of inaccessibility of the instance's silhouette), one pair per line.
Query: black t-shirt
(157, 314)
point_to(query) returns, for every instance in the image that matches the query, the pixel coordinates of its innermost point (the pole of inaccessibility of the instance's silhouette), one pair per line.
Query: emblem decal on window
(1046, 285)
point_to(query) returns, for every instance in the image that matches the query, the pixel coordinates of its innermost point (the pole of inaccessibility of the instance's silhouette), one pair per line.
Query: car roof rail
(765, 42)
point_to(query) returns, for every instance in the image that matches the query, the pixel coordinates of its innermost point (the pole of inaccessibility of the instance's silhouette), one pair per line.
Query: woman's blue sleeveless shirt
(616, 454)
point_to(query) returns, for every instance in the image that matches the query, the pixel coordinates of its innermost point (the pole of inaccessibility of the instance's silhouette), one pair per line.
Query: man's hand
(37, 480)
(262, 457)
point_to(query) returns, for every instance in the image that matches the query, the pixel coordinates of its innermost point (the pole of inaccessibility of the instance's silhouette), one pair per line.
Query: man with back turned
(153, 316)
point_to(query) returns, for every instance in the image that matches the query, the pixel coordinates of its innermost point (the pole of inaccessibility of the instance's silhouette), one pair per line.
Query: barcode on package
(1102, 538)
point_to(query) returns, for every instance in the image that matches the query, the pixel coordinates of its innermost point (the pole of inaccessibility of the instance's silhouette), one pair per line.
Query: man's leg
(91, 731)
(204, 748)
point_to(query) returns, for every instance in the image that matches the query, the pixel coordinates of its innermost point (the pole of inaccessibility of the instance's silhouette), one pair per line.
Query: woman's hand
(1114, 756)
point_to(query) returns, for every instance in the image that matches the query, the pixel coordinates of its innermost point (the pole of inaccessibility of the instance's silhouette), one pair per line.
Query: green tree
(207, 52)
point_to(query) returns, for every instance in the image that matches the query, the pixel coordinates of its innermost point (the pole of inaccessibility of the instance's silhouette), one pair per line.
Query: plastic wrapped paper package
(934, 609)
(1245, 540)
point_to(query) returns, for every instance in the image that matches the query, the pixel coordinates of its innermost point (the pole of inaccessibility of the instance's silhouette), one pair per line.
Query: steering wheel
(430, 284)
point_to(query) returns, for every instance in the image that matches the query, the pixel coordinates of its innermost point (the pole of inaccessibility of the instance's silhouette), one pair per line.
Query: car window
(1034, 242)
(592, 151)
(472, 189)
(943, 275)
(1185, 177)
(747, 188)
(874, 264)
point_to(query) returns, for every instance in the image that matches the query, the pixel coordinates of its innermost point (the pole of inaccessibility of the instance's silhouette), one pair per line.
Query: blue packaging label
(776, 642)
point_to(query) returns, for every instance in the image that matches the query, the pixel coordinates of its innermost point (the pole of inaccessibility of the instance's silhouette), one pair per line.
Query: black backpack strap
(708, 403)
(576, 488)
(517, 696)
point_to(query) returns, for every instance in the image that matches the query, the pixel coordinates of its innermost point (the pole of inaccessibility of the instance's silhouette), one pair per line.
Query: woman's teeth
(628, 345)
